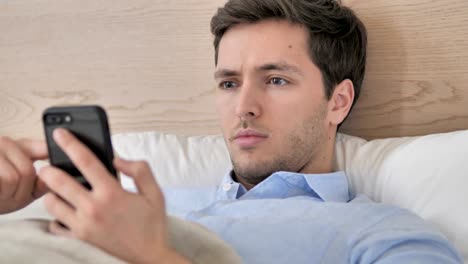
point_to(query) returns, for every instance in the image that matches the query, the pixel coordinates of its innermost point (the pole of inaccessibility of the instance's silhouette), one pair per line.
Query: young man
(288, 73)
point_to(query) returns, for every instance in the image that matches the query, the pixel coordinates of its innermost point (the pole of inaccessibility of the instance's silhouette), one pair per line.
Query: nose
(248, 104)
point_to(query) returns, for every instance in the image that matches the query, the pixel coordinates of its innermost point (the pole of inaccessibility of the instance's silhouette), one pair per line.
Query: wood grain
(409, 107)
(150, 64)
(417, 72)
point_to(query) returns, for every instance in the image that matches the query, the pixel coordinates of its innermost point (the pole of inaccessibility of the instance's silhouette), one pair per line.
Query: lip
(248, 138)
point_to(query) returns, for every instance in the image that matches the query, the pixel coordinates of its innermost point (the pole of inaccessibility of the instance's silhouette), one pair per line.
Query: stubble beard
(300, 148)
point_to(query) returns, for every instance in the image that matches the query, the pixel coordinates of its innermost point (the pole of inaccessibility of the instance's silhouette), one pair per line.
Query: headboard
(150, 64)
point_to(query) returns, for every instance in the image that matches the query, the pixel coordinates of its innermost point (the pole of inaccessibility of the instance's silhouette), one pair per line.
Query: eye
(227, 85)
(278, 81)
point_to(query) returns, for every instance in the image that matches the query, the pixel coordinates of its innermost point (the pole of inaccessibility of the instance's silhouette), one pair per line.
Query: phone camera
(53, 119)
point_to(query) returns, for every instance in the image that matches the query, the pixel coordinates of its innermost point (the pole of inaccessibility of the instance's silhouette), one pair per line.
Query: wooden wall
(417, 74)
(150, 63)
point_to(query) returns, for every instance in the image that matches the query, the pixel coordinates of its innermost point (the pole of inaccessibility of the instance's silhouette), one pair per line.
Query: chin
(252, 173)
(249, 156)
(252, 163)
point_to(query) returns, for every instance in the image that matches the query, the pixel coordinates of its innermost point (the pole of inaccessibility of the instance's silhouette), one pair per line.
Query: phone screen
(89, 124)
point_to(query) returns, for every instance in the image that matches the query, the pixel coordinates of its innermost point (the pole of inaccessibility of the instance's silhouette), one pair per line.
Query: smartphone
(89, 124)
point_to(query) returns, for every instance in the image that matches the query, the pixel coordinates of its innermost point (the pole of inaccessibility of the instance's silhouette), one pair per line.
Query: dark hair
(337, 38)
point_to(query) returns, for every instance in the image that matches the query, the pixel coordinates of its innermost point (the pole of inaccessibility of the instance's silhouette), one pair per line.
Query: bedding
(27, 241)
(425, 174)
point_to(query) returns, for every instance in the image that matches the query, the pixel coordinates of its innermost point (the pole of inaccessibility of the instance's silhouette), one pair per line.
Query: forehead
(263, 42)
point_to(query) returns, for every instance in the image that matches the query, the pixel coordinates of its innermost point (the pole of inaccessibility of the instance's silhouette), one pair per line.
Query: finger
(35, 149)
(27, 173)
(141, 173)
(65, 186)
(84, 159)
(40, 188)
(24, 166)
(9, 178)
(59, 209)
(57, 229)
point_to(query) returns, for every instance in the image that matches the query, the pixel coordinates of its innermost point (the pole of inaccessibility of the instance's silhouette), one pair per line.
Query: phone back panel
(89, 124)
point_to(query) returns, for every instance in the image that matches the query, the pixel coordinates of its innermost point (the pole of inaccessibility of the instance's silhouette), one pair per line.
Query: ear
(340, 102)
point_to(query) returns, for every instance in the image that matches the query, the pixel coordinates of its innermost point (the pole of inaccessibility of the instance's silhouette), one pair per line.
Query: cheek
(295, 118)
(220, 102)
(285, 116)
(224, 110)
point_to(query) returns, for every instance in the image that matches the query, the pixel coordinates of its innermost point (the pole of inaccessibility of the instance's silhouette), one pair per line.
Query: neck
(321, 162)
(242, 181)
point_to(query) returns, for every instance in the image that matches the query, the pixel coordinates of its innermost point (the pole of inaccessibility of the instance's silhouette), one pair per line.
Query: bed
(409, 126)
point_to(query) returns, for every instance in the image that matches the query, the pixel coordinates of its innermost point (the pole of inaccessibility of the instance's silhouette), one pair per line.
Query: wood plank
(409, 108)
(150, 64)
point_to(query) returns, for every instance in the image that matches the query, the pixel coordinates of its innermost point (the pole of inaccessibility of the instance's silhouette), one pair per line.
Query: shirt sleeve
(402, 238)
(181, 201)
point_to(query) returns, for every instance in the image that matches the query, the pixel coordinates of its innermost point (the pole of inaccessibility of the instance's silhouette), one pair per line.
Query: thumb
(36, 149)
(40, 188)
(141, 173)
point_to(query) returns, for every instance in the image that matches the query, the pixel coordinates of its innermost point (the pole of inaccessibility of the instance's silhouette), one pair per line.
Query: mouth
(249, 138)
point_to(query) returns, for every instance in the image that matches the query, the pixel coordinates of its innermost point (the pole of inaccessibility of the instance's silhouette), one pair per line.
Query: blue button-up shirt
(309, 218)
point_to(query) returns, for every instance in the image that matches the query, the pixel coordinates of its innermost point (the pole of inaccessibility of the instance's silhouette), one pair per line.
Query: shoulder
(389, 234)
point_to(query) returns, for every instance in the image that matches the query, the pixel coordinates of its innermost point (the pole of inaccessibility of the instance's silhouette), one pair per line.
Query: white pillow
(175, 160)
(427, 174)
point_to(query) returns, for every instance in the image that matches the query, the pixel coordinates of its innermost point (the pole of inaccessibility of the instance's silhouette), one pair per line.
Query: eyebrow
(280, 66)
(223, 73)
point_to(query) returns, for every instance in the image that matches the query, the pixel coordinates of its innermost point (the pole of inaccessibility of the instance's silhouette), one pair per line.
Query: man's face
(270, 100)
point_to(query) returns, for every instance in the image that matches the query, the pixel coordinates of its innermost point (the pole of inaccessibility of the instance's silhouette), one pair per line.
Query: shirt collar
(329, 187)
(230, 189)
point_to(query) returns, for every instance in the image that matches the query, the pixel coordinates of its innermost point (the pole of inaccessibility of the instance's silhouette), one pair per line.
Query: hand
(19, 184)
(127, 225)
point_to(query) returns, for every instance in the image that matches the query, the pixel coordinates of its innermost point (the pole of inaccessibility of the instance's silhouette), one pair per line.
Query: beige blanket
(27, 241)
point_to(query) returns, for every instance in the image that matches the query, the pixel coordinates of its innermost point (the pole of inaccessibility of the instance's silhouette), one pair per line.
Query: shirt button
(226, 187)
